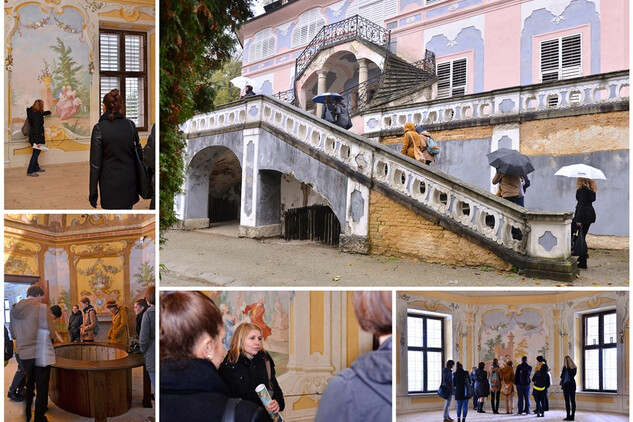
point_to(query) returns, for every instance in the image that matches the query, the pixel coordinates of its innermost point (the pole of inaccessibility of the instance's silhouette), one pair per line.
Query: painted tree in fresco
(520, 349)
(65, 70)
(489, 353)
(144, 275)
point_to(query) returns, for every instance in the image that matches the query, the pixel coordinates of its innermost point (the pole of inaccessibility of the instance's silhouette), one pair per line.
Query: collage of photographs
(316, 210)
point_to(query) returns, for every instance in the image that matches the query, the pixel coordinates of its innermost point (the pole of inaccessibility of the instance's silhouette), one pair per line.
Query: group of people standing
(481, 383)
(336, 112)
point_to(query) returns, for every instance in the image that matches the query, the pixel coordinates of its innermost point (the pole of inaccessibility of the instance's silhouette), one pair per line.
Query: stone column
(363, 70)
(321, 87)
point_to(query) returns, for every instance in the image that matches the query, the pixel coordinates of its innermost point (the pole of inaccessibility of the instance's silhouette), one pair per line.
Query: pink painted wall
(409, 46)
(614, 35)
(502, 54)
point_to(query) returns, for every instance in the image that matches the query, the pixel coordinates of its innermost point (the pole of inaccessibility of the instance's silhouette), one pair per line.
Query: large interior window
(600, 353)
(425, 351)
(123, 66)
(451, 78)
(561, 58)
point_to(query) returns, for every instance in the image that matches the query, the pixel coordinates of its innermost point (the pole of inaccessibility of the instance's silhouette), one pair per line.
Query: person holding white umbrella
(586, 189)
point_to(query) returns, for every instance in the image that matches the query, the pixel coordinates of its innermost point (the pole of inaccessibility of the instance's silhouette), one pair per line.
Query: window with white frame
(451, 78)
(123, 66)
(264, 45)
(600, 353)
(425, 352)
(310, 23)
(375, 11)
(561, 58)
(429, 2)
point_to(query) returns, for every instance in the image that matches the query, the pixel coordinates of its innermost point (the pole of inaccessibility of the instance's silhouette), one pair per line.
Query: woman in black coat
(112, 157)
(191, 333)
(584, 214)
(35, 114)
(568, 384)
(482, 387)
(247, 365)
(460, 380)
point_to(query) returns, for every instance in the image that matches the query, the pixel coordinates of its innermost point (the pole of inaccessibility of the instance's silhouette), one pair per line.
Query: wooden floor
(551, 416)
(14, 411)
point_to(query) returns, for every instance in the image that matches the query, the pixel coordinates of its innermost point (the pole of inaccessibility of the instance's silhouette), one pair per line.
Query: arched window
(375, 11)
(264, 45)
(309, 25)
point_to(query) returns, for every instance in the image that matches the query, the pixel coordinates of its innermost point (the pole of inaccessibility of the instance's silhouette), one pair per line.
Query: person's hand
(93, 200)
(273, 406)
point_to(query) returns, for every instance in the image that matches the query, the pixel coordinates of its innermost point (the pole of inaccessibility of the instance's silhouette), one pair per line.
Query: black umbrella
(510, 161)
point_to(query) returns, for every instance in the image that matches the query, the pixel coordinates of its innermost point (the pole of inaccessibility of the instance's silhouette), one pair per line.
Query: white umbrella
(581, 170)
(241, 81)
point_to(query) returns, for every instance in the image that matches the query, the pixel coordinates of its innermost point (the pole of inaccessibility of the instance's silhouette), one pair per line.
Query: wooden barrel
(93, 379)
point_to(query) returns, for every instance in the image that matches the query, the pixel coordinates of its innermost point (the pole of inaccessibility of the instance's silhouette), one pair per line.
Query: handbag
(45, 354)
(26, 127)
(565, 379)
(328, 115)
(578, 244)
(506, 389)
(143, 179)
(443, 391)
(470, 390)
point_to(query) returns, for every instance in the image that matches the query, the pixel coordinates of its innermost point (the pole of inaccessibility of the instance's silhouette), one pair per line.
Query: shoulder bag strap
(269, 373)
(229, 410)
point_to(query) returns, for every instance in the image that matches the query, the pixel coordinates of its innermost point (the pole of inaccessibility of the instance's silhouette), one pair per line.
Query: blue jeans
(524, 397)
(447, 405)
(152, 376)
(462, 408)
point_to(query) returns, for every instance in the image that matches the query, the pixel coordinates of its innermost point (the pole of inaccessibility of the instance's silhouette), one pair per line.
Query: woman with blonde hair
(568, 384)
(35, 114)
(191, 350)
(584, 215)
(247, 365)
(507, 385)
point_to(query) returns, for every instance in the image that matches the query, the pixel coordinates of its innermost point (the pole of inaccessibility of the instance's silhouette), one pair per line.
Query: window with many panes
(561, 58)
(600, 353)
(310, 23)
(451, 78)
(425, 352)
(375, 11)
(123, 66)
(264, 45)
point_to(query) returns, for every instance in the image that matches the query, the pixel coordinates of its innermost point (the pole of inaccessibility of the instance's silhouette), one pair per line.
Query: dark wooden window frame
(424, 348)
(122, 74)
(600, 346)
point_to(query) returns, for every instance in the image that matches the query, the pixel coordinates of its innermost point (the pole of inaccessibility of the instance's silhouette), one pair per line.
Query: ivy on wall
(196, 39)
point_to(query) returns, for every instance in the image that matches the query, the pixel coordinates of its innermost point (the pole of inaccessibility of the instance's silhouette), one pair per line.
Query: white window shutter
(459, 78)
(571, 57)
(444, 80)
(561, 58)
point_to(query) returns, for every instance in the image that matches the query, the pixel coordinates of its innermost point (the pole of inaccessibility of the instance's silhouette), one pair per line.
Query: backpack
(494, 379)
(540, 379)
(432, 146)
(26, 127)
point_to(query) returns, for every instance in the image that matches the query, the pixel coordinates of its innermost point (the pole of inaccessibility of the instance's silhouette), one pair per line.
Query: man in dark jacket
(248, 92)
(149, 158)
(75, 321)
(522, 381)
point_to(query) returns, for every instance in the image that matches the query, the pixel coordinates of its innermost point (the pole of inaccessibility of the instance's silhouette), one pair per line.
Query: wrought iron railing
(427, 63)
(287, 96)
(353, 27)
(358, 96)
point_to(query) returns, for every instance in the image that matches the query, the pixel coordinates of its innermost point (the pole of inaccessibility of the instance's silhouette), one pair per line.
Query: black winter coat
(572, 374)
(192, 390)
(460, 379)
(243, 376)
(482, 387)
(523, 366)
(74, 324)
(585, 213)
(36, 133)
(113, 162)
(361, 392)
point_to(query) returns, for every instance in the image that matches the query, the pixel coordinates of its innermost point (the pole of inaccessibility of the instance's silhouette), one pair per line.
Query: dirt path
(217, 257)
(61, 187)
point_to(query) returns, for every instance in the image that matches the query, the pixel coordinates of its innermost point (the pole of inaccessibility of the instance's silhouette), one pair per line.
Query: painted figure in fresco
(255, 312)
(67, 103)
(118, 332)
(280, 316)
(230, 321)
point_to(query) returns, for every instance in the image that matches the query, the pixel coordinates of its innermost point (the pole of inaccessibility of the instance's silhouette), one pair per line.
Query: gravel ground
(217, 257)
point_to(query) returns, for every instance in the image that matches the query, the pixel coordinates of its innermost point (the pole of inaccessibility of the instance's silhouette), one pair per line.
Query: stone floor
(551, 416)
(14, 412)
(61, 187)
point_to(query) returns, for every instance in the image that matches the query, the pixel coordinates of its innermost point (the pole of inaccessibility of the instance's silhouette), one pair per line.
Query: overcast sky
(256, 7)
